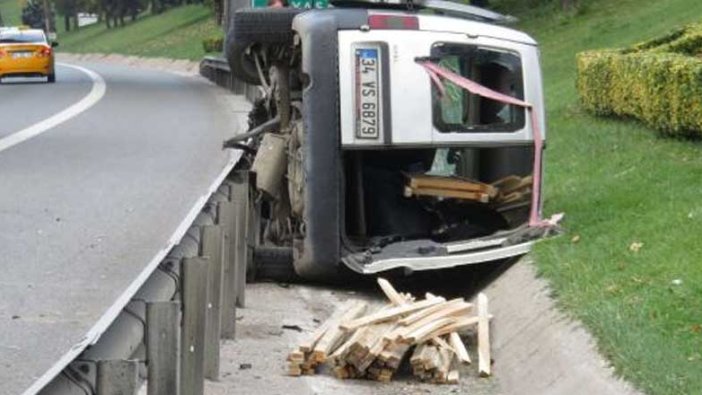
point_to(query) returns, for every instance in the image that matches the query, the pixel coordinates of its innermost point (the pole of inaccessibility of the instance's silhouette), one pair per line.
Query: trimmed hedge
(213, 44)
(658, 82)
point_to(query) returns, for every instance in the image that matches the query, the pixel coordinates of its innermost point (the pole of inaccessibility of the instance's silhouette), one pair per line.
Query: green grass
(619, 184)
(176, 34)
(11, 11)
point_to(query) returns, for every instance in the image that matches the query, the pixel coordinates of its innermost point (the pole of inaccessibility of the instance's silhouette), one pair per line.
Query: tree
(69, 9)
(33, 16)
(568, 5)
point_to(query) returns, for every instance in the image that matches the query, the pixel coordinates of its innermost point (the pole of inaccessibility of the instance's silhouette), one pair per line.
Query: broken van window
(461, 111)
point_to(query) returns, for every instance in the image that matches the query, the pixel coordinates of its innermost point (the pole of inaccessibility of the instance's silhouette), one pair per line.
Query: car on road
(388, 135)
(26, 53)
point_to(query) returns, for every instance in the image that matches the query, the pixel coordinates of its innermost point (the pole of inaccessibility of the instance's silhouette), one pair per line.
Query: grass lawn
(177, 34)
(11, 11)
(619, 184)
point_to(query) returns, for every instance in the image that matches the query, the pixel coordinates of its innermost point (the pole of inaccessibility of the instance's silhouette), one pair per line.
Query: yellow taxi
(26, 53)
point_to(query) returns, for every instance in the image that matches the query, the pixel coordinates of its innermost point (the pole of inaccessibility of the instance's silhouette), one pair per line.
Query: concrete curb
(177, 66)
(537, 348)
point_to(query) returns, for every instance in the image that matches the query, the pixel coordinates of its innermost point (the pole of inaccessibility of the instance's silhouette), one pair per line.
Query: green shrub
(658, 82)
(213, 44)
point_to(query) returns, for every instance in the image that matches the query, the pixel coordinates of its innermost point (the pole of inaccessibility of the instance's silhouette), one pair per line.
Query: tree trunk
(568, 5)
(67, 22)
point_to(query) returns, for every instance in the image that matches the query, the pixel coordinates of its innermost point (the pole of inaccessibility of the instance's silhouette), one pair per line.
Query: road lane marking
(89, 100)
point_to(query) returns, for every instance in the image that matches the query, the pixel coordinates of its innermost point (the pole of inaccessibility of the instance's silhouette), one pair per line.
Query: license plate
(21, 55)
(368, 93)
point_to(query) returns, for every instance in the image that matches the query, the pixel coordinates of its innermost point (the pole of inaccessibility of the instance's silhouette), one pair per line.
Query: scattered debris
(512, 190)
(635, 246)
(358, 341)
(293, 327)
(508, 191)
(245, 366)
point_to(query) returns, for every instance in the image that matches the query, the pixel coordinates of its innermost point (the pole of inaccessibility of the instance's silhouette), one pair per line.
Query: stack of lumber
(373, 344)
(449, 187)
(513, 189)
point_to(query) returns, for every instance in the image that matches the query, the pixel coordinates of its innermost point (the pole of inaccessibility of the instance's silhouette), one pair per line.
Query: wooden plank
(422, 332)
(525, 182)
(443, 370)
(454, 183)
(391, 293)
(453, 377)
(460, 325)
(449, 193)
(484, 358)
(414, 317)
(507, 182)
(334, 334)
(418, 354)
(390, 313)
(308, 344)
(459, 347)
(448, 311)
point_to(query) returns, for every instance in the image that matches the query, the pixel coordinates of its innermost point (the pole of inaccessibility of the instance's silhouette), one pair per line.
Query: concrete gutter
(538, 349)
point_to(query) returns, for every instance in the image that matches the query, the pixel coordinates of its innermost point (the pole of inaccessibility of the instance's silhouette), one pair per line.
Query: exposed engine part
(268, 126)
(296, 175)
(270, 165)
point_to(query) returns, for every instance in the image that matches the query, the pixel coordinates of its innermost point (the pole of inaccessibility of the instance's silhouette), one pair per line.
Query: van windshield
(461, 111)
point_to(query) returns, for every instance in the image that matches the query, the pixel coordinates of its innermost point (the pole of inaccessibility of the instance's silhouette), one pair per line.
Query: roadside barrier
(169, 333)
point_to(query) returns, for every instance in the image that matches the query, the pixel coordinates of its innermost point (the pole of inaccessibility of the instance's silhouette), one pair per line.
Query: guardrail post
(226, 219)
(117, 377)
(194, 296)
(212, 248)
(162, 323)
(240, 196)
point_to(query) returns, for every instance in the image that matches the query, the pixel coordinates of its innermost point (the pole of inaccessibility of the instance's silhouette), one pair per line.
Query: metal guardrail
(169, 333)
(216, 69)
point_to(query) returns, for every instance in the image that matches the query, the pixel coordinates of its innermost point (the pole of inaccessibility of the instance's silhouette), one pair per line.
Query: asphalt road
(87, 201)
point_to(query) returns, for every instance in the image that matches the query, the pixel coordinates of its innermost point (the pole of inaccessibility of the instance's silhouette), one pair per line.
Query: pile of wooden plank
(360, 342)
(513, 189)
(449, 187)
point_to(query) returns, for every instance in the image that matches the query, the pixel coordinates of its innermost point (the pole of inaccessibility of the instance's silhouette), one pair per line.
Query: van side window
(461, 111)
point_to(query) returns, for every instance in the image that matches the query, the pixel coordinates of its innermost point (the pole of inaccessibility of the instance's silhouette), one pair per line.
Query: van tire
(242, 64)
(264, 25)
(260, 27)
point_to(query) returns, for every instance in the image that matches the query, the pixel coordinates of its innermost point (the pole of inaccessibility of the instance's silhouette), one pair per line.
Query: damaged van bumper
(419, 255)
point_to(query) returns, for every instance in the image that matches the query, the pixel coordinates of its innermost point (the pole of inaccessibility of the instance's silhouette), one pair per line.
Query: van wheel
(264, 25)
(51, 78)
(242, 63)
(255, 30)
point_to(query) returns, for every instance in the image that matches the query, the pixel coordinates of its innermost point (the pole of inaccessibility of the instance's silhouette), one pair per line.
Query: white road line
(95, 94)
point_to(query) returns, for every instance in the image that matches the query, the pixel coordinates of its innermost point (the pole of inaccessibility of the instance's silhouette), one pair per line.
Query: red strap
(435, 72)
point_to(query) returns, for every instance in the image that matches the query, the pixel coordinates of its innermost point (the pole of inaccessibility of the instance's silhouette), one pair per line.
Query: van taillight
(45, 52)
(394, 22)
(2, 53)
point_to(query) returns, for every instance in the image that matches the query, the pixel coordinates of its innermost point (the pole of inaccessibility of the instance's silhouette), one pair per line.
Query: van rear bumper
(426, 255)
